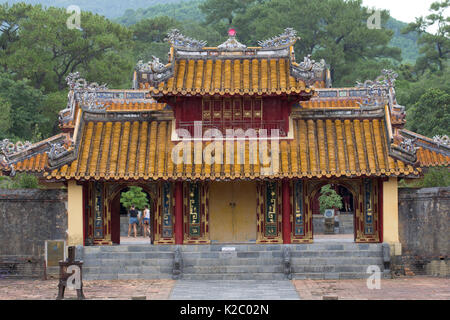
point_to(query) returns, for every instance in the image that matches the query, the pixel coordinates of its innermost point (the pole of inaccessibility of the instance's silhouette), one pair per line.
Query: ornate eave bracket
(60, 154)
(154, 72)
(9, 151)
(83, 93)
(5, 166)
(442, 141)
(309, 70)
(286, 39)
(382, 89)
(406, 151)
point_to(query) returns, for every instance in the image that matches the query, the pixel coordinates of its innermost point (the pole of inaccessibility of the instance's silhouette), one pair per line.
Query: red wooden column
(178, 212)
(286, 212)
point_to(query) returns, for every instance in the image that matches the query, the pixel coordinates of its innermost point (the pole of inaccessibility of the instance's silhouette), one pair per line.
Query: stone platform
(320, 260)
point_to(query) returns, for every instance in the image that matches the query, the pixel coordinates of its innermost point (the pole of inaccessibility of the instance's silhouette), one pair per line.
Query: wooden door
(232, 212)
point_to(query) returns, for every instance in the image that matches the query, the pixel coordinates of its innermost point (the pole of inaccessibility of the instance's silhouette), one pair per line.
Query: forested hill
(189, 10)
(107, 8)
(130, 12)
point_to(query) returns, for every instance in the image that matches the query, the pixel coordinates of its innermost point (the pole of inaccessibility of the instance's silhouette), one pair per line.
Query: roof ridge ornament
(84, 92)
(308, 70)
(386, 79)
(409, 145)
(178, 40)
(76, 83)
(442, 140)
(8, 148)
(58, 150)
(286, 39)
(154, 71)
(232, 44)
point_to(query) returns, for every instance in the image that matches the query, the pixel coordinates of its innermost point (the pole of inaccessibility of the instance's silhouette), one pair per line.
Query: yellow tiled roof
(36, 163)
(239, 76)
(430, 158)
(319, 148)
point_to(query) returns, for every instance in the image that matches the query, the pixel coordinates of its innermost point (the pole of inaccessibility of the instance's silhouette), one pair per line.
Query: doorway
(233, 212)
(120, 221)
(344, 220)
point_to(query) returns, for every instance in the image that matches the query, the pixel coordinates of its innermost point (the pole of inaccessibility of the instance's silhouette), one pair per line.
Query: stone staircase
(321, 260)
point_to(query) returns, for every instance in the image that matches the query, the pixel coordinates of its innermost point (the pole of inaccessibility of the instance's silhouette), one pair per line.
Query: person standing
(133, 220)
(146, 219)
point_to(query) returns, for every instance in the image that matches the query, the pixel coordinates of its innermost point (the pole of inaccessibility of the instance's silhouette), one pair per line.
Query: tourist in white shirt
(146, 219)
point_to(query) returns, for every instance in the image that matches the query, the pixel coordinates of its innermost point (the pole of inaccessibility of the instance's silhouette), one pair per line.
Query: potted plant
(329, 199)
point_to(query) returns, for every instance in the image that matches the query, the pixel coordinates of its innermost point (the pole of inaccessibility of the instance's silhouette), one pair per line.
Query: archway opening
(343, 227)
(121, 232)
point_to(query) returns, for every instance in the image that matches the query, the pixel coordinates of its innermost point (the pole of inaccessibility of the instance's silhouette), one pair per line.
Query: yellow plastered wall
(75, 214)
(390, 215)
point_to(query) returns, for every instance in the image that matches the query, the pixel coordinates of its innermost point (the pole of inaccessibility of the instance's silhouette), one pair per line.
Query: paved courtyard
(234, 290)
(414, 288)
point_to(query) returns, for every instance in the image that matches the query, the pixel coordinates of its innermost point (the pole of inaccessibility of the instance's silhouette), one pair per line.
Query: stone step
(338, 261)
(239, 247)
(127, 262)
(188, 262)
(331, 268)
(128, 255)
(235, 276)
(333, 275)
(239, 254)
(114, 269)
(320, 260)
(129, 276)
(276, 269)
(232, 269)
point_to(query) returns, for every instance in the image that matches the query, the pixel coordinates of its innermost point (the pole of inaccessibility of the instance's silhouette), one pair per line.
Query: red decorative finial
(231, 32)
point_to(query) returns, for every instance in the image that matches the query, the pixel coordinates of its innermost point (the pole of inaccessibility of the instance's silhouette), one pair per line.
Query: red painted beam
(179, 212)
(286, 212)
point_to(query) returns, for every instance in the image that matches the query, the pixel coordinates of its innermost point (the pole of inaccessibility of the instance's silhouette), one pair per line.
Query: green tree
(43, 49)
(435, 48)
(25, 106)
(134, 196)
(433, 177)
(217, 11)
(5, 118)
(25, 181)
(53, 102)
(20, 181)
(436, 177)
(329, 199)
(431, 114)
(334, 30)
(149, 35)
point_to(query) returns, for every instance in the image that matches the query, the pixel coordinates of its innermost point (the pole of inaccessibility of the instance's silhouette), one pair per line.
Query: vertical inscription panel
(270, 213)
